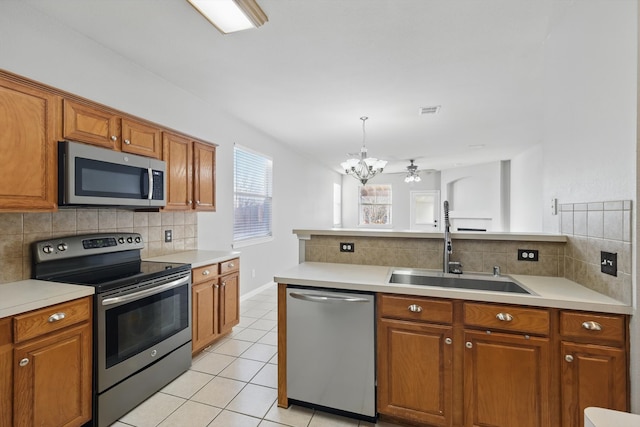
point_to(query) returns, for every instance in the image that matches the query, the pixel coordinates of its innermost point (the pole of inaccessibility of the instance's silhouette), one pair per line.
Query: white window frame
(266, 194)
(362, 205)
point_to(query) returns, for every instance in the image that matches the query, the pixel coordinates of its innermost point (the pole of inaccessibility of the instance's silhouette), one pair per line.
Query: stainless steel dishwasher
(331, 351)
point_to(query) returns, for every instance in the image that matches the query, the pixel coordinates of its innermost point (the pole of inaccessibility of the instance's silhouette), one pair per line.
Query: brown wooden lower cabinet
(456, 363)
(215, 302)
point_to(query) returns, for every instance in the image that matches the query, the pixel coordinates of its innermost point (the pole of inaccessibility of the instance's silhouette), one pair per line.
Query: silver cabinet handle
(56, 317)
(415, 308)
(150, 196)
(24, 362)
(505, 317)
(568, 358)
(197, 202)
(224, 284)
(189, 202)
(114, 138)
(146, 292)
(126, 141)
(592, 326)
(206, 273)
(325, 298)
(468, 344)
(231, 265)
(216, 286)
(448, 341)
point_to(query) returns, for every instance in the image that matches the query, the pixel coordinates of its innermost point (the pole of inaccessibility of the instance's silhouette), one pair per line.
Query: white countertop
(197, 258)
(460, 235)
(26, 295)
(553, 292)
(600, 417)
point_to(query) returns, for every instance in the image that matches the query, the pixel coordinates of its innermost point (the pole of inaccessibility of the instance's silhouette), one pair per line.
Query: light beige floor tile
(264, 423)
(324, 419)
(119, 424)
(218, 392)
(233, 347)
(268, 376)
(235, 331)
(261, 352)
(242, 369)
(233, 419)
(217, 344)
(249, 334)
(254, 312)
(264, 324)
(152, 411)
(274, 360)
(272, 315)
(245, 322)
(187, 384)
(253, 400)
(212, 363)
(248, 304)
(270, 338)
(266, 305)
(191, 414)
(296, 416)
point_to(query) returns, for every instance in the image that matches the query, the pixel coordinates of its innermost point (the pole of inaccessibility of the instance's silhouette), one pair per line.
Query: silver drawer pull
(126, 141)
(592, 326)
(231, 265)
(448, 341)
(415, 308)
(206, 273)
(468, 344)
(505, 317)
(56, 317)
(568, 358)
(24, 362)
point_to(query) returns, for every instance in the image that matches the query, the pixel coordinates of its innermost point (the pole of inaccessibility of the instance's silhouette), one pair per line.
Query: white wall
(37, 47)
(526, 191)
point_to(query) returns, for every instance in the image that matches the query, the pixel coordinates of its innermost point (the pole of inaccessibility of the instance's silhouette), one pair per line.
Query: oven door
(136, 327)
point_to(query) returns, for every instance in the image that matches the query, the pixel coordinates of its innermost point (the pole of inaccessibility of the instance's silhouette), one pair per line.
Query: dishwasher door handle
(325, 298)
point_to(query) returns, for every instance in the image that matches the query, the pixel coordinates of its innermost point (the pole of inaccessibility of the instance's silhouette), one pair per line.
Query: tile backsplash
(19, 230)
(591, 228)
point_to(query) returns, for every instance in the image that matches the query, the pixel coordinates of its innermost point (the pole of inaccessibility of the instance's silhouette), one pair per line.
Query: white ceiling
(308, 75)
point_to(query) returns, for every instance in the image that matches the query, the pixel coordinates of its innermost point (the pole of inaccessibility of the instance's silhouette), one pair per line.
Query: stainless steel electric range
(142, 320)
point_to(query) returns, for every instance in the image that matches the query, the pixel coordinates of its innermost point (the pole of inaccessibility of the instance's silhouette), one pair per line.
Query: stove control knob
(62, 247)
(121, 240)
(47, 249)
(129, 239)
(138, 239)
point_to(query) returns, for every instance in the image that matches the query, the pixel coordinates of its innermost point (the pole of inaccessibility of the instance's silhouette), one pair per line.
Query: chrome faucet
(448, 266)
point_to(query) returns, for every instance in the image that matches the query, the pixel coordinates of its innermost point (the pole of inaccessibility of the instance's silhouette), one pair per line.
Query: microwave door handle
(150, 172)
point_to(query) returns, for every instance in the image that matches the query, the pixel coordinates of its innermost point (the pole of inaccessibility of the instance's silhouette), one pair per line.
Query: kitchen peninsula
(563, 346)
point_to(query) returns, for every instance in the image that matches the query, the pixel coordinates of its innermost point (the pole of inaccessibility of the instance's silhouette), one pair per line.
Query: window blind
(252, 190)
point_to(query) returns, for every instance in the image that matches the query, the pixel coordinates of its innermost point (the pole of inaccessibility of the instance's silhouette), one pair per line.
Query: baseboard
(256, 291)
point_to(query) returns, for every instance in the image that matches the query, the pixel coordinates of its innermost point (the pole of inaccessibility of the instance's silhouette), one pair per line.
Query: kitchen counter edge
(197, 258)
(27, 295)
(552, 292)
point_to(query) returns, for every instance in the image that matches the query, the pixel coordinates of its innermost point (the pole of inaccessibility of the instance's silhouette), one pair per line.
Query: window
(252, 196)
(337, 205)
(375, 205)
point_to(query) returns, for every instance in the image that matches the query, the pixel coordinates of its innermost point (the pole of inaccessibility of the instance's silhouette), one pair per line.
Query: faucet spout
(447, 239)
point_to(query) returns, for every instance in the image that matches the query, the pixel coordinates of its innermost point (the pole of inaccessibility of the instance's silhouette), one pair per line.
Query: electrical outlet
(609, 263)
(347, 247)
(527, 255)
(167, 236)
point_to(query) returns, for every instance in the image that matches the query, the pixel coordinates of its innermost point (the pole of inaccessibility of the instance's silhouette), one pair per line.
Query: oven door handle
(147, 292)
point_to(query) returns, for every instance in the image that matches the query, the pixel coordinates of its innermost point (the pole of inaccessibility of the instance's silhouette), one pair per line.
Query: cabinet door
(142, 139)
(28, 118)
(506, 380)
(592, 375)
(6, 373)
(415, 371)
(204, 172)
(205, 327)
(52, 379)
(90, 124)
(177, 152)
(229, 302)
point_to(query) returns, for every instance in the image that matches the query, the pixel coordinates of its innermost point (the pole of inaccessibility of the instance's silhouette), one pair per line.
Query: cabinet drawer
(607, 327)
(495, 316)
(415, 308)
(49, 319)
(230, 266)
(202, 274)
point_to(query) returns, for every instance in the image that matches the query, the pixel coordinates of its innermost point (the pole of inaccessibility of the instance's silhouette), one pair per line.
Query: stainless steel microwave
(92, 176)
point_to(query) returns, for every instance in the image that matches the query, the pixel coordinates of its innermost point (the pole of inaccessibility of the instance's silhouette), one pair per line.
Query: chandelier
(412, 173)
(363, 168)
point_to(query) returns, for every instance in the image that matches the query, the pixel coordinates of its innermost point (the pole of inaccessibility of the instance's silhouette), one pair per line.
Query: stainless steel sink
(463, 281)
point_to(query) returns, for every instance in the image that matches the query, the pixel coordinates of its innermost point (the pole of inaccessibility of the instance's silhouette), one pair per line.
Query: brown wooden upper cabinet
(191, 167)
(108, 129)
(28, 117)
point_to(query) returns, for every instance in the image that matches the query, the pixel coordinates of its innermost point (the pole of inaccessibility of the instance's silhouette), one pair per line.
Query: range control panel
(82, 245)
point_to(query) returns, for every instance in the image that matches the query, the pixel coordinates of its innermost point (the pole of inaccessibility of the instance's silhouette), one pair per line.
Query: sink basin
(474, 282)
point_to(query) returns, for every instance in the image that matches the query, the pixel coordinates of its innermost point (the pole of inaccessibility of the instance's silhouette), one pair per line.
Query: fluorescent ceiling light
(229, 16)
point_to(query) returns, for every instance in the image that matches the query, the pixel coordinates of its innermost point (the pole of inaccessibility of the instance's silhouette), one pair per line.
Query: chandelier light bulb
(363, 168)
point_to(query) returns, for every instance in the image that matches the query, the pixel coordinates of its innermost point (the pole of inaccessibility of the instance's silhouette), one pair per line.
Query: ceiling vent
(429, 110)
